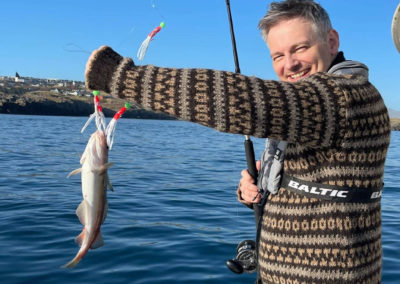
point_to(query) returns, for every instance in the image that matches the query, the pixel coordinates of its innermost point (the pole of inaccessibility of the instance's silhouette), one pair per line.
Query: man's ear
(333, 42)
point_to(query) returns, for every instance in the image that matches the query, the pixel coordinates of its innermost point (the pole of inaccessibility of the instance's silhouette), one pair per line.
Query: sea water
(173, 217)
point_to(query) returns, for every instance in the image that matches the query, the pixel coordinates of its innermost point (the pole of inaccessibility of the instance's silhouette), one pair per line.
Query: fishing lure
(110, 130)
(145, 44)
(98, 114)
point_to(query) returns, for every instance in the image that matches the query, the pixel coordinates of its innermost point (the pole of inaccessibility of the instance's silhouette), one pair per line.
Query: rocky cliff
(45, 103)
(395, 123)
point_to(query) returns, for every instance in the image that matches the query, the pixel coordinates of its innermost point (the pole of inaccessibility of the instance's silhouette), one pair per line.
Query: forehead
(290, 32)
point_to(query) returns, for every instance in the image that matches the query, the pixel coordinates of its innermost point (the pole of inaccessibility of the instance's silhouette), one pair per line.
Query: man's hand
(248, 191)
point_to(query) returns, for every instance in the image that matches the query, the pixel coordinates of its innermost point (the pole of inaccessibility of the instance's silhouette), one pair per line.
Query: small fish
(93, 209)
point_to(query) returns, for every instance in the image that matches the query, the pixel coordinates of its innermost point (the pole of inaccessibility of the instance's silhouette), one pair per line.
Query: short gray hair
(290, 9)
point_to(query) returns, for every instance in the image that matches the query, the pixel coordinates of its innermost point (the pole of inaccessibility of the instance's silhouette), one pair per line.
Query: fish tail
(81, 253)
(73, 262)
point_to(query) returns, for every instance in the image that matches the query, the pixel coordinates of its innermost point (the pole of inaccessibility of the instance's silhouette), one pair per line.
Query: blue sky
(53, 39)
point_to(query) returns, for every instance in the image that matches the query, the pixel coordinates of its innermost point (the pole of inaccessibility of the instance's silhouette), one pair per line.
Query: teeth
(298, 75)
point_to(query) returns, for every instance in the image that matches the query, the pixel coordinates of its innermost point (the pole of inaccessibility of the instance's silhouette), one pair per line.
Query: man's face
(297, 51)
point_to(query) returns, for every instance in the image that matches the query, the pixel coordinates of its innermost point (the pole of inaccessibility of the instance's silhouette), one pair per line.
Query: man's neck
(339, 58)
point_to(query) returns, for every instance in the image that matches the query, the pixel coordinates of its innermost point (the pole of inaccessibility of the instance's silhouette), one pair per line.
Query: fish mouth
(299, 75)
(96, 151)
(99, 134)
(100, 138)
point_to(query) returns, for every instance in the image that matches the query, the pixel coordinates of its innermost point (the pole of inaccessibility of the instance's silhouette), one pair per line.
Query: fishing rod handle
(250, 158)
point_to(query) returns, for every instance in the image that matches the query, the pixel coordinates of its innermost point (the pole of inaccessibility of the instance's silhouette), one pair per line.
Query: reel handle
(234, 266)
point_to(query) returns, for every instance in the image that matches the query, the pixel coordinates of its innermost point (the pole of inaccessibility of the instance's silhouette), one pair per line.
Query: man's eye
(277, 58)
(301, 48)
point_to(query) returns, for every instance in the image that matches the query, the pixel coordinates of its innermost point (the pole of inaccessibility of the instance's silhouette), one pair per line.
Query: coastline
(395, 124)
(46, 103)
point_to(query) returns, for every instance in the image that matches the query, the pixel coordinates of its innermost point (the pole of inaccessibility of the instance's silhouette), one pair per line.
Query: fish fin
(98, 242)
(72, 263)
(83, 158)
(74, 172)
(109, 165)
(108, 183)
(80, 212)
(80, 237)
(104, 168)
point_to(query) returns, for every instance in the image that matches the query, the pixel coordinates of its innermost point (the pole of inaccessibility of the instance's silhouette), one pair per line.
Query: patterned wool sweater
(338, 131)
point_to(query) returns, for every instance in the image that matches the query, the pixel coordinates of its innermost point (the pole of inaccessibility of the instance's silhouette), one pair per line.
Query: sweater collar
(338, 59)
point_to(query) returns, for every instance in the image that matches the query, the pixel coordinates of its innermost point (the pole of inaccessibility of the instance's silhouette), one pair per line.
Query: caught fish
(92, 211)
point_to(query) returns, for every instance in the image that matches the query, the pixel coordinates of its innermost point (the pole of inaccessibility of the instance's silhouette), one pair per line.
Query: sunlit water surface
(173, 217)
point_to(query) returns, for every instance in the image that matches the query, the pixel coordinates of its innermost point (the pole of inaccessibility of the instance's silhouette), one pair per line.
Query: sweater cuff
(106, 70)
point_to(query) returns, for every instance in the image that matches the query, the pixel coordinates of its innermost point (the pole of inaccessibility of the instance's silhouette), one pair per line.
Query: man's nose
(291, 63)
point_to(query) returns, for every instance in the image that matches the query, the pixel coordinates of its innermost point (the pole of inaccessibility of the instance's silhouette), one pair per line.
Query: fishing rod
(248, 144)
(246, 259)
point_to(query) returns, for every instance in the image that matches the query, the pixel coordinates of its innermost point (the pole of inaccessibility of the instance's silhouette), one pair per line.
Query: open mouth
(299, 75)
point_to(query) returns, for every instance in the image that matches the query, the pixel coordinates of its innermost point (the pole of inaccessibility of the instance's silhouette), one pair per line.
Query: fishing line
(127, 37)
(153, 5)
(98, 115)
(72, 47)
(145, 44)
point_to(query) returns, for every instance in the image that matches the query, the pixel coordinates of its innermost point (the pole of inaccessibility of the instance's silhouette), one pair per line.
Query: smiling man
(304, 237)
(322, 224)
(298, 50)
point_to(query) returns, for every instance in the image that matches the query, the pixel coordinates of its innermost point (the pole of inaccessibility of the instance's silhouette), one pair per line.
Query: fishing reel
(246, 258)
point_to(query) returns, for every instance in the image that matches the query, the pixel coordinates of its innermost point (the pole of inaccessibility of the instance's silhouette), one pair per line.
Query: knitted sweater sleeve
(311, 112)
